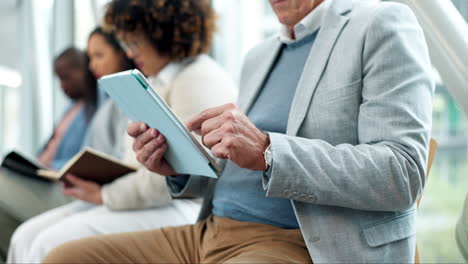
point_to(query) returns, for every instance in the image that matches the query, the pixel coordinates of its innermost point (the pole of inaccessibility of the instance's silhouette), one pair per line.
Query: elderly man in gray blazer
(325, 151)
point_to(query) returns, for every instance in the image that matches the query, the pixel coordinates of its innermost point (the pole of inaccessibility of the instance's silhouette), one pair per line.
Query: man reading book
(78, 84)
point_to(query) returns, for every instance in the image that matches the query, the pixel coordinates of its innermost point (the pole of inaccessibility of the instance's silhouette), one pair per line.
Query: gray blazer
(354, 155)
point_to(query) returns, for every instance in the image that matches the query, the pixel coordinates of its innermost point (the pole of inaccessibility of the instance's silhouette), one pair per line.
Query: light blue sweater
(239, 193)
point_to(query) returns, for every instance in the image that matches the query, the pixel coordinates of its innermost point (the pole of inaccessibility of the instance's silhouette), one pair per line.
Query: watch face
(268, 156)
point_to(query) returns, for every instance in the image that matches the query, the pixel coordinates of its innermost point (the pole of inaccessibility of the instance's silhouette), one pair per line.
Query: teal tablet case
(131, 91)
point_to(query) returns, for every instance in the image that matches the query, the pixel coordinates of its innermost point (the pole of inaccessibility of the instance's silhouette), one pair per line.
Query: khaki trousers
(214, 240)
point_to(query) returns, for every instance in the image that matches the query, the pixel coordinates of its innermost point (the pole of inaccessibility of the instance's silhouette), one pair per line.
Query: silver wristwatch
(268, 157)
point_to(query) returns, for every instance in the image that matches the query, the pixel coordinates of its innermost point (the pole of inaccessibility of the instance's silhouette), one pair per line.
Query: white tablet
(132, 92)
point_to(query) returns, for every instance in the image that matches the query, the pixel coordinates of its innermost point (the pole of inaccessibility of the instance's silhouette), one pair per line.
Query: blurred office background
(34, 31)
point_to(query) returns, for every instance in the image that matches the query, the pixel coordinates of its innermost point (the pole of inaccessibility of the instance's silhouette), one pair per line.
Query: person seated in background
(172, 56)
(80, 87)
(106, 56)
(462, 231)
(105, 133)
(23, 197)
(325, 152)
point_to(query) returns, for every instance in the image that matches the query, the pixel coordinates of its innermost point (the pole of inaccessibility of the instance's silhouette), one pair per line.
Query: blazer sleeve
(187, 186)
(386, 170)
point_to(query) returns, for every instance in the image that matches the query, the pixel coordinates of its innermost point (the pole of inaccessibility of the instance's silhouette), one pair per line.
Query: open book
(88, 164)
(92, 165)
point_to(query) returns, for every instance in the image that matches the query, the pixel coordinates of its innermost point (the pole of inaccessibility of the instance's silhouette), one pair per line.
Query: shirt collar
(307, 25)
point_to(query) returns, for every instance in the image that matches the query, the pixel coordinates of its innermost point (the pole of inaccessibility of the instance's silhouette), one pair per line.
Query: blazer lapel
(253, 85)
(333, 24)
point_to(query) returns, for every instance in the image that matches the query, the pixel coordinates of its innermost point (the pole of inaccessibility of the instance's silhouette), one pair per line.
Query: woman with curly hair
(156, 33)
(167, 40)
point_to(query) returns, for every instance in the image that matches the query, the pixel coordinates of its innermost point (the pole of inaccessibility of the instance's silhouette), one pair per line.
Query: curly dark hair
(176, 28)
